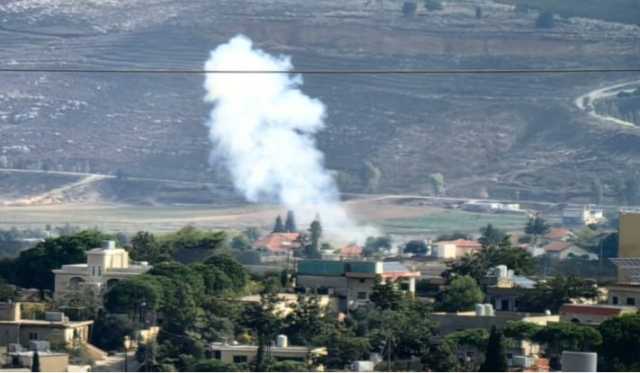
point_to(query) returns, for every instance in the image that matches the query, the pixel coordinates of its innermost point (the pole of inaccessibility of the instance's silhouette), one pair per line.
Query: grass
(448, 221)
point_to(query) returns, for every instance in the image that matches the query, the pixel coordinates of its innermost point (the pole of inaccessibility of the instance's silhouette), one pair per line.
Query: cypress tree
(35, 364)
(315, 231)
(290, 223)
(495, 358)
(278, 227)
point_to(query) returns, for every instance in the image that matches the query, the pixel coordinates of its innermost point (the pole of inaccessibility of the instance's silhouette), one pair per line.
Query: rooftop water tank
(110, 244)
(282, 341)
(502, 271)
(488, 309)
(480, 310)
(573, 361)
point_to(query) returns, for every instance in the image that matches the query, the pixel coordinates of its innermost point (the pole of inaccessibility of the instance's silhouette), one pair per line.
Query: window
(99, 271)
(33, 336)
(404, 286)
(217, 355)
(362, 281)
(239, 359)
(93, 271)
(362, 295)
(614, 300)
(504, 304)
(631, 301)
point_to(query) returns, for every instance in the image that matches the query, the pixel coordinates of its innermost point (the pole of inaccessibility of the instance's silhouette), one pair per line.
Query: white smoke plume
(264, 127)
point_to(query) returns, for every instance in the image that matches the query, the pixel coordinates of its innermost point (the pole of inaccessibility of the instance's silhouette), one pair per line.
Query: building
(628, 260)
(624, 294)
(455, 322)
(593, 314)
(580, 216)
(281, 351)
(55, 328)
(559, 234)
(278, 243)
(351, 251)
(49, 361)
(456, 249)
(351, 281)
(504, 288)
(562, 250)
(105, 266)
(285, 302)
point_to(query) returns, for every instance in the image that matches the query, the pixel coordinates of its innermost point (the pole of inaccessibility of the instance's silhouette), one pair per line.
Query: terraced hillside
(502, 136)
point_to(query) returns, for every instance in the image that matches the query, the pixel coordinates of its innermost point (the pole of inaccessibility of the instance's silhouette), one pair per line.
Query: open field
(393, 216)
(448, 221)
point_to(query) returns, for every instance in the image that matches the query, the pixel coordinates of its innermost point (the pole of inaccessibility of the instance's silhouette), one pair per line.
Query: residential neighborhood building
(456, 249)
(458, 321)
(278, 243)
(243, 353)
(504, 288)
(351, 281)
(563, 250)
(593, 314)
(55, 328)
(559, 234)
(581, 216)
(624, 294)
(104, 267)
(351, 251)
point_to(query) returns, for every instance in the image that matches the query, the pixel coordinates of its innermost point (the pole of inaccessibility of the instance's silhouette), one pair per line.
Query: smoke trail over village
(263, 127)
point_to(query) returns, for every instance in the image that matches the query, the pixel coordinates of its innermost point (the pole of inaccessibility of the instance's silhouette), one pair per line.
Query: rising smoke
(263, 126)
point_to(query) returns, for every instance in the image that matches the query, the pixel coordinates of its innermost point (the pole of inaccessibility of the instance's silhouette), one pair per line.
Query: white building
(105, 266)
(584, 215)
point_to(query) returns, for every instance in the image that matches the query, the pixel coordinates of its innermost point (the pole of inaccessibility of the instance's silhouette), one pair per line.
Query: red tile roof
(557, 246)
(588, 309)
(278, 242)
(558, 234)
(352, 250)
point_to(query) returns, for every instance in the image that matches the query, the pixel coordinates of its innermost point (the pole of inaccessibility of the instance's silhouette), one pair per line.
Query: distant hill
(624, 11)
(505, 136)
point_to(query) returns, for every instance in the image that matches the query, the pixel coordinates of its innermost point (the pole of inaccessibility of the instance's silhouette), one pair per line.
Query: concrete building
(504, 288)
(281, 351)
(456, 249)
(580, 216)
(351, 281)
(624, 294)
(454, 322)
(49, 361)
(563, 250)
(55, 328)
(105, 266)
(593, 314)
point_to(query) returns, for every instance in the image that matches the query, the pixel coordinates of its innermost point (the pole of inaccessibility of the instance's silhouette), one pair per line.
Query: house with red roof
(563, 250)
(278, 243)
(559, 234)
(351, 251)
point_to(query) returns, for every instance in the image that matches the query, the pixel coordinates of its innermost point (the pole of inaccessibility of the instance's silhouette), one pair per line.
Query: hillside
(504, 136)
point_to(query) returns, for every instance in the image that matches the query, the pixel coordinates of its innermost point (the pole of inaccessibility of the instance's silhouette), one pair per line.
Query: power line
(469, 71)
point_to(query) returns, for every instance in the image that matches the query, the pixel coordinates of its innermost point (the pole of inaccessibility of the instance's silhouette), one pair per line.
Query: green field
(448, 221)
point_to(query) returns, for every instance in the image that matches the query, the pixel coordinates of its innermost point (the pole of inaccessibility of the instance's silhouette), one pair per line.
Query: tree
(462, 294)
(213, 365)
(252, 234)
(409, 8)
(132, 295)
(552, 294)
(441, 358)
(495, 358)
(290, 223)
(33, 267)
(306, 321)
(35, 363)
(566, 336)
(278, 227)
(620, 343)
(596, 190)
(415, 247)
(240, 242)
(491, 236)
(521, 330)
(545, 20)
(145, 247)
(385, 296)
(437, 183)
(261, 318)
(315, 233)
(432, 5)
(343, 348)
(536, 227)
